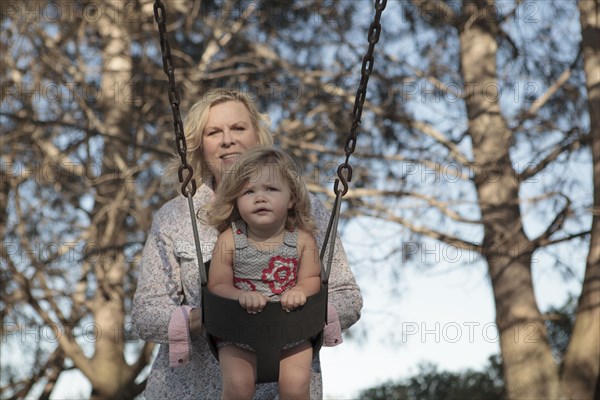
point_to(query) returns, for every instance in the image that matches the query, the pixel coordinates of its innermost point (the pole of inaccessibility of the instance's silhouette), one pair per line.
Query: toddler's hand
(293, 298)
(253, 302)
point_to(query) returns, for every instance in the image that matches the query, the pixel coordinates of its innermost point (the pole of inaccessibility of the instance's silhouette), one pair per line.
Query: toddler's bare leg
(294, 372)
(238, 367)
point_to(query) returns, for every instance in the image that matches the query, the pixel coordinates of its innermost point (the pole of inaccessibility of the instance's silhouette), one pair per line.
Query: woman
(219, 128)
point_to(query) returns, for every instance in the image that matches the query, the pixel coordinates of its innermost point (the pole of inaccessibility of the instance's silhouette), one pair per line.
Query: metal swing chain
(169, 68)
(344, 170)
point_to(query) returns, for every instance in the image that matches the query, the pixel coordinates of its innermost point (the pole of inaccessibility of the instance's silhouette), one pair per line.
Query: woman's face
(228, 133)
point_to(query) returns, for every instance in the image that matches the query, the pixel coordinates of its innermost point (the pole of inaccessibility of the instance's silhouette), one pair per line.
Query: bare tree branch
(570, 143)
(380, 212)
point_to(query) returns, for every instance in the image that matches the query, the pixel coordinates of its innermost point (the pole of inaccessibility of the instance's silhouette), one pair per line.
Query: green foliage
(431, 384)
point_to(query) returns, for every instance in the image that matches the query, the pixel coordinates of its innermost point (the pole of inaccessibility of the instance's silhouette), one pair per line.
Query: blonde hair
(223, 210)
(196, 120)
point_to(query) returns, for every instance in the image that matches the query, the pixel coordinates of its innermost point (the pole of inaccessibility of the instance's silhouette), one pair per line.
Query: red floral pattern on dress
(244, 284)
(280, 274)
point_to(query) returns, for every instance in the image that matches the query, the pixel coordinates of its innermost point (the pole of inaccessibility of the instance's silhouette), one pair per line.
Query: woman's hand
(253, 302)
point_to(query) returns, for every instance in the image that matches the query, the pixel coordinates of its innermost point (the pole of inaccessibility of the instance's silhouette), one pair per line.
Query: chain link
(344, 170)
(185, 171)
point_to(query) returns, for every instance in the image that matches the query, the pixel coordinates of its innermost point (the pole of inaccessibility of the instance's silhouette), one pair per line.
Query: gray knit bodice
(270, 272)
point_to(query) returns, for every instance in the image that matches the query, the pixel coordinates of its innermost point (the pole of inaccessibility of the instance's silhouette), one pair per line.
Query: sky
(444, 315)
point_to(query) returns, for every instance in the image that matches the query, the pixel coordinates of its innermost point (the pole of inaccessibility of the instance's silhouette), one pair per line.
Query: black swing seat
(266, 332)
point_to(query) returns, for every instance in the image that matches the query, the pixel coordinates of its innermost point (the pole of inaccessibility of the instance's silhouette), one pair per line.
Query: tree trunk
(529, 368)
(582, 360)
(108, 234)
